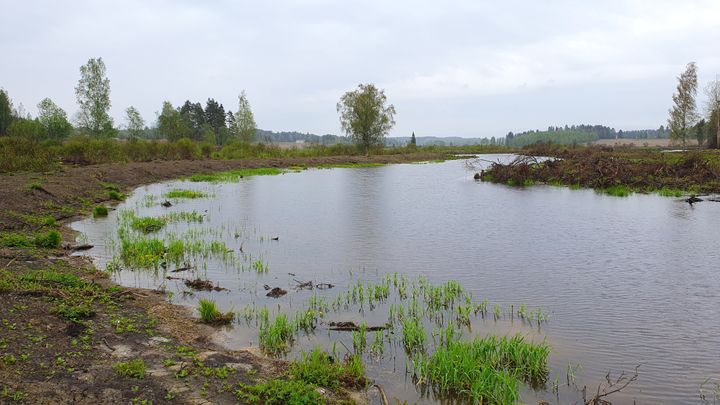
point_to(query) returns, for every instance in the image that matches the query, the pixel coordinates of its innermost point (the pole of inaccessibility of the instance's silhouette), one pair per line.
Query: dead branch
(609, 387)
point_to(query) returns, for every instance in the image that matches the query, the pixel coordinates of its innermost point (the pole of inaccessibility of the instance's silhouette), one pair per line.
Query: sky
(450, 68)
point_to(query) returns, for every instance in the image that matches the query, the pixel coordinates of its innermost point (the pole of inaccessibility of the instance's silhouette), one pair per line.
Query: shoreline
(79, 359)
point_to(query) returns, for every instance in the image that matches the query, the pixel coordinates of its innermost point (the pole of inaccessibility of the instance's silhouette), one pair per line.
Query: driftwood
(198, 284)
(180, 269)
(276, 292)
(350, 326)
(302, 285)
(610, 386)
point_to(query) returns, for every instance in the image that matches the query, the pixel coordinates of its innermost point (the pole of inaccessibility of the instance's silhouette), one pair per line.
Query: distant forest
(577, 134)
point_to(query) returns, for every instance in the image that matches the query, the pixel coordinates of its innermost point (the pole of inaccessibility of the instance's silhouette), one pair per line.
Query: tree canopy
(365, 115)
(683, 115)
(93, 97)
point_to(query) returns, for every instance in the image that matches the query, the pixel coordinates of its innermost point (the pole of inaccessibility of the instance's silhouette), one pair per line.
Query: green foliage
(115, 195)
(132, 368)
(171, 124)
(6, 112)
(557, 136)
(243, 125)
(53, 119)
(147, 224)
(319, 368)
(135, 123)
(365, 117)
(75, 313)
(100, 211)
(234, 175)
(413, 334)
(49, 240)
(93, 97)
(485, 370)
(670, 192)
(18, 153)
(683, 114)
(209, 313)
(279, 392)
(26, 128)
(181, 193)
(276, 336)
(618, 191)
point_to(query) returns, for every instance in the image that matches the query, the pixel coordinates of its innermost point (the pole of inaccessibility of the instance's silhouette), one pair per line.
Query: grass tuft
(209, 313)
(180, 193)
(278, 392)
(100, 211)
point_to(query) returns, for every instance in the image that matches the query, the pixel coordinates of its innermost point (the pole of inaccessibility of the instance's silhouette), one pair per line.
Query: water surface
(627, 281)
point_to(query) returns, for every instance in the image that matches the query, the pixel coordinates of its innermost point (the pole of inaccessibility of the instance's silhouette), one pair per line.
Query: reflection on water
(627, 281)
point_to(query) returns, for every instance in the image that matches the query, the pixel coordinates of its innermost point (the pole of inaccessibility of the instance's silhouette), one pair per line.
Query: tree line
(211, 123)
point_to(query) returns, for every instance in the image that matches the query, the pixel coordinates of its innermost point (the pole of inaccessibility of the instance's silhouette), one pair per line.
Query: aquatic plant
(276, 336)
(485, 369)
(413, 334)
(360, 338)
(182, 193)
(147, 224)
(319, 368)
(617, 191)
(234, 175)
(209, 313)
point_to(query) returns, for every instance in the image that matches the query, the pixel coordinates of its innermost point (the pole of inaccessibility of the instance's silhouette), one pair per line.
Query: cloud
(295, 58)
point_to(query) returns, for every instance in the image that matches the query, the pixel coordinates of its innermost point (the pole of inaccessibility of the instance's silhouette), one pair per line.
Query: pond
(613, 283)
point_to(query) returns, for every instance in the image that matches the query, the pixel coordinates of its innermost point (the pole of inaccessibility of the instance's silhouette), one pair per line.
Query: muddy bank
(69, 335)
(602, 168)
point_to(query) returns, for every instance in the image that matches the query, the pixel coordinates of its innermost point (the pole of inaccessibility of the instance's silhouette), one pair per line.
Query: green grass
(234, 175)
(49, 240)
(181, 193)
(35, 186)
(275, 336)
(147, 224)
(617, 191)
(413, 334)
(319, 368)
(116, 195)
(670, 192)
(351, 165)
(100, 211)
(486, 369)
(132, 368)
(184, 216)
(209, 313)
(279, 392)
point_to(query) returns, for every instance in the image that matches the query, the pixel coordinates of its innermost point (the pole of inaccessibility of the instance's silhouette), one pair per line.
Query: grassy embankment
(615, 171)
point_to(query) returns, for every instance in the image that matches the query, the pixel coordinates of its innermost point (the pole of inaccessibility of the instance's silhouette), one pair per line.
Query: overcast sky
(451, 68)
